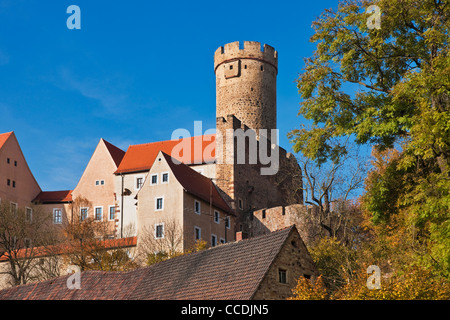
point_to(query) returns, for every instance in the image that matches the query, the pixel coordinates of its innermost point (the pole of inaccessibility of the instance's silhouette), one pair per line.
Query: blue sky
(135, 72)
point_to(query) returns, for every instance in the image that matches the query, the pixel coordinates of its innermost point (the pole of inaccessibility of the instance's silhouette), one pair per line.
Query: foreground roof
(63, 248)
(140, 157)
(230, 271)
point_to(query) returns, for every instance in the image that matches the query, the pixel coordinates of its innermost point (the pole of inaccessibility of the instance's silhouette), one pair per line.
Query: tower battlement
(251, 50)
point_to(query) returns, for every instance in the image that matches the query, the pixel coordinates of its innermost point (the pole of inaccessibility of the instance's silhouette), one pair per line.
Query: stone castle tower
(246, 99)
(246, 83)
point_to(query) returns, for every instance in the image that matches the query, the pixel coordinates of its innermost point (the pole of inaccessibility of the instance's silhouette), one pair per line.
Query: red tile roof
(116, 153)
(46, 197)
(197, 184)
(4, 137)
(141, 157)
(230, 271)
(64, 248)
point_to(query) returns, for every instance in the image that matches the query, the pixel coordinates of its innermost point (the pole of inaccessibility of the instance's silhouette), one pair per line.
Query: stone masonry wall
(295, 260)
(271, 219)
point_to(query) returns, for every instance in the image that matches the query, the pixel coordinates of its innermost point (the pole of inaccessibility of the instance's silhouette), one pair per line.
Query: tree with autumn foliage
(388, 88)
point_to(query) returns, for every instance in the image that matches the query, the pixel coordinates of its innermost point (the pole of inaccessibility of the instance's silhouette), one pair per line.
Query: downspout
(121, 210)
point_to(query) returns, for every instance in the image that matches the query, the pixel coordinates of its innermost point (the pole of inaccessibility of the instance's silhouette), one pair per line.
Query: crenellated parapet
(250, 50)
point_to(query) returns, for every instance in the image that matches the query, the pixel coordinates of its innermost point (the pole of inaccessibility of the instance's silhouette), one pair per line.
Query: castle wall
(266, 220)
(245, 187)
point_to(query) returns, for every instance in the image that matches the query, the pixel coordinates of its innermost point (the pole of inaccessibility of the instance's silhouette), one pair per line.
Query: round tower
(246, 83)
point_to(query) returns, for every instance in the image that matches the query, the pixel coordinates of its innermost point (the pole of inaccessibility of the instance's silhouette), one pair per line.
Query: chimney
(238, 236)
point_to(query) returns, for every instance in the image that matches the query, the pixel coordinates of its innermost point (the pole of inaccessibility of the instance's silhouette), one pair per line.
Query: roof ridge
(171, 140)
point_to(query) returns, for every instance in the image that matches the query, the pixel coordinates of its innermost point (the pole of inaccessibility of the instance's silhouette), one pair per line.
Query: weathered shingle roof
(231, 271)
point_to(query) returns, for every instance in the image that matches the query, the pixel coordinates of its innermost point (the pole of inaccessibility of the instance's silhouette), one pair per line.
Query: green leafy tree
(387, 87)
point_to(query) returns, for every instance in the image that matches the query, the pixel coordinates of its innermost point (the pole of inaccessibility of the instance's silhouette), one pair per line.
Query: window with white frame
(98, 213)
(213, 240)
(197, 207)
(14, 208)
(197, 233)
(83, 214)
(216, 216)
(159, 203)
(227, 222)
(159, 231)
(164, 177)
(112, 213)
(139, 182)
(154, 179)
(57, 216)
(28, 214)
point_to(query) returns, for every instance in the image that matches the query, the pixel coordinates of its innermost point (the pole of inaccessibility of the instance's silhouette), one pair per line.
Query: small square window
(98, 213)
(154, 179)
(198, 233)
(28, 214)
(97, 182)
(165, 177)
(282, 278)
(197, 207)
(159, 203)
(57, 216)
(112, 213)
(139, 183)
(102, 182)
(216, 216)
(14, 208)
(227, 222)
(159, 231)
(83, 214)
